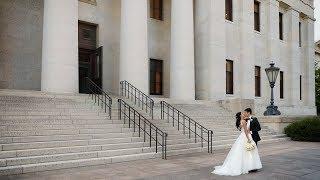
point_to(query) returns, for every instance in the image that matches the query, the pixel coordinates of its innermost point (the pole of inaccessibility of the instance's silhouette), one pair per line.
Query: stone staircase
(219, 120)
(177, 142)
(209, 114)
(42, 132)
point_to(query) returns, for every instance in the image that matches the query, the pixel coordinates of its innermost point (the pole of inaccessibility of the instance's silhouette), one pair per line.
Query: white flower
(249, 146)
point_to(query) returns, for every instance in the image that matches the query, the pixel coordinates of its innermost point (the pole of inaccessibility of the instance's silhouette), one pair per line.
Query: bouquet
(249, 146)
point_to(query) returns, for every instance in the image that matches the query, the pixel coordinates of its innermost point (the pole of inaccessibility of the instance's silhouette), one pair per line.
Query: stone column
(273, 49)
(201, 15)
(134, 64)
(182, 77)
(216, 61)
(309, 62)
(246, 71)
(294, 56)
(60, 47)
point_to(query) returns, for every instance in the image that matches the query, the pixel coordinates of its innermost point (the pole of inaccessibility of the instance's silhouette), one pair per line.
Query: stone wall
(276, 123)
(106, 15)
(258, 49)
(159, 43)
(20, 44)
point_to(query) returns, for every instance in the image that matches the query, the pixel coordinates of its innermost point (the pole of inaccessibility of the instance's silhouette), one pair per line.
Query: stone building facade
(213, 50)
(317, 53)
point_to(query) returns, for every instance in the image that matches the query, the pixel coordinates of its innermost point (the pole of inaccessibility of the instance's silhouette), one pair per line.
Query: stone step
(174, 132)
(56, 112)
(44, 108)
(39, 100)
(263, 141)
(72, 163)
(263, 136)
(179, 137)
(185, 146)
(112, 133)
(61, 147)
(58, 120)
(74, 156)
(30, 156)
(44, 105)
(50, 113)
(216, 147)
(186, 151)
(36, 101)
(24, 127)
(51, 144)
(221, 136)
(169, 125)
(166, 124)
(93, 115)
(230, 141)
(216, 128)
(53, 138)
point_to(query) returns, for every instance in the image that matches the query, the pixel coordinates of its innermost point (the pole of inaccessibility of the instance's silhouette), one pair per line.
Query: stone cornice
(92, 2)
(300, 6)
(307, 4)
(302, 1)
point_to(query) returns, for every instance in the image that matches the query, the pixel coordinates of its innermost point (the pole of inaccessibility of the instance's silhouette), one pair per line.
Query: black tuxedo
(254, 128)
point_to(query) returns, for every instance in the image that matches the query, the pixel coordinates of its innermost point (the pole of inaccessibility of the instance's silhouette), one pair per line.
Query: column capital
(293, 11)
(273, 2)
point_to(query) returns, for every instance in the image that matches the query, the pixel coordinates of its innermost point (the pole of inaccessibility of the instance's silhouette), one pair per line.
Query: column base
(272, 111)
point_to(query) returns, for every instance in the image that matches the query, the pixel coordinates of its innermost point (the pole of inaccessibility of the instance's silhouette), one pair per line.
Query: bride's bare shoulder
(243, 121)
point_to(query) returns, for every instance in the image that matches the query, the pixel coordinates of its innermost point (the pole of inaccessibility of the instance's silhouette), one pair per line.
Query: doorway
(156, 77)
(90, 57)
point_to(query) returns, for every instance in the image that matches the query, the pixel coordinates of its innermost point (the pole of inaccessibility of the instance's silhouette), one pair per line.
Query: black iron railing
(99, 96)
(187, 125)
(144, 127)
(138, 97)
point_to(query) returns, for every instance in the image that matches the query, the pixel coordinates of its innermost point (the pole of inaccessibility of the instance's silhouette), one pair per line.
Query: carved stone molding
(93, 2)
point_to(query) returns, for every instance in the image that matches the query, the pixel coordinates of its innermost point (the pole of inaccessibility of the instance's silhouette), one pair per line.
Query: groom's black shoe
(252, 171)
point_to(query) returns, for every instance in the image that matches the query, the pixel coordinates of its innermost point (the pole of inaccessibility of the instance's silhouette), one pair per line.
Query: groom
(254, 125)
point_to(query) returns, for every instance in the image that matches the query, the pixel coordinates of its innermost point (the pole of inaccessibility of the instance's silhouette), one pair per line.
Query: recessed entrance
(156, 77)
(90, 57)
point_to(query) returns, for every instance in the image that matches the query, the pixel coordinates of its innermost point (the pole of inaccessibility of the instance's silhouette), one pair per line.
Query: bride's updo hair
(238, 119)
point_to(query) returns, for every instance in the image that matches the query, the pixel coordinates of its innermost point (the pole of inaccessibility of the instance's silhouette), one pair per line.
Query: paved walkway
(285, 160)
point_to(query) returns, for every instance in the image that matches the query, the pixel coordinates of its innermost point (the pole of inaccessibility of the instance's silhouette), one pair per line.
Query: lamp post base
(272, 111)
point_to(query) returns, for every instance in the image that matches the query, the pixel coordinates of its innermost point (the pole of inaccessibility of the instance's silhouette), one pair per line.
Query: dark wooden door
(156, 77)
(90, 65)
(84, 68)
(90, 57)
(96, 66)
(83, 73)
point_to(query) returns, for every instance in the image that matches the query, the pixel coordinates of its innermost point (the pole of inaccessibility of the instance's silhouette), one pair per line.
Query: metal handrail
(137, 120)
(134, 94)
(188, 123)
(98, 95)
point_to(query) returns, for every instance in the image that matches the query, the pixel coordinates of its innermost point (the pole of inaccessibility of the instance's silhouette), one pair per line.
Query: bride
(240, 160)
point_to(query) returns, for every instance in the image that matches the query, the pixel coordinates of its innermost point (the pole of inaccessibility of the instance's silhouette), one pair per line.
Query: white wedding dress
(239, 160)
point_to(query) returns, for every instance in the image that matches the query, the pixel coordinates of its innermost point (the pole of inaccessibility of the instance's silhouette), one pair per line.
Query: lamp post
(272, 74)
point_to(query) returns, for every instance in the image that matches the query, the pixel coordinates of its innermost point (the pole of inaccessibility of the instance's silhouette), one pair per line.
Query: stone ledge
(277, 123)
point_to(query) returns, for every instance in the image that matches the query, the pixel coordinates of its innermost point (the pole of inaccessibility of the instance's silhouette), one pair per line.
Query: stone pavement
(284, 160)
